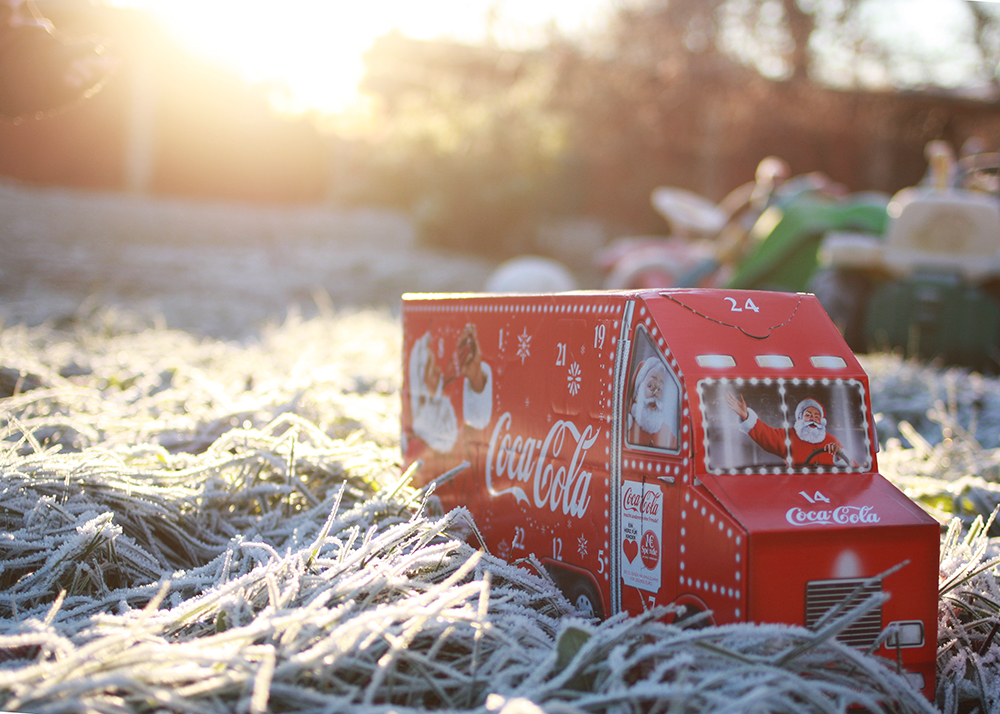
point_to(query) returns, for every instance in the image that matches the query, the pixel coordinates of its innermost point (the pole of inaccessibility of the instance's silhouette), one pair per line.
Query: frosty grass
(190, 525)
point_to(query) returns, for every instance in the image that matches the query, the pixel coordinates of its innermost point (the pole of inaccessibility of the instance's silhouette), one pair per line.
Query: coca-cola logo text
(643, 503)
(843, 515)
(521, 460)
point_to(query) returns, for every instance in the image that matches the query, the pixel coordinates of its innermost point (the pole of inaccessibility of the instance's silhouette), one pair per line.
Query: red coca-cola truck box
(710, 449)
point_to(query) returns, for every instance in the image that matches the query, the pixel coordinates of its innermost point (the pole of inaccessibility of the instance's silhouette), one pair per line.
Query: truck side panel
(702, 448)
(540, 446)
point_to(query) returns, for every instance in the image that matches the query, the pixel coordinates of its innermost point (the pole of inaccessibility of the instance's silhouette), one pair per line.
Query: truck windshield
(782, 425)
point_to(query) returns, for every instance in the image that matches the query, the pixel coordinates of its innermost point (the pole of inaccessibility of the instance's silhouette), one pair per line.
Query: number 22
(518, 543)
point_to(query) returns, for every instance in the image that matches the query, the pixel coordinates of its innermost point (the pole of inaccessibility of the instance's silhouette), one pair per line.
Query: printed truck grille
(822, 595)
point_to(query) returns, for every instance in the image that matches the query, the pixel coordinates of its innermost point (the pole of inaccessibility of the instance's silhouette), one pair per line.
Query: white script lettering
(646, 504)
(554, 485)
(843, 515)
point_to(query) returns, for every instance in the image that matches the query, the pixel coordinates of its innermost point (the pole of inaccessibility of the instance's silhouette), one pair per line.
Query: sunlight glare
(313, 49)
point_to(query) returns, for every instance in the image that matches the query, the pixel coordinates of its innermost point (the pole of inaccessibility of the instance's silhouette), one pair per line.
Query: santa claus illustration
(652, 415)
(808, 443)
(434, 419)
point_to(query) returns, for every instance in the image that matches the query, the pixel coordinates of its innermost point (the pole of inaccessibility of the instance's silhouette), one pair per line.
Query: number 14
(816, 497)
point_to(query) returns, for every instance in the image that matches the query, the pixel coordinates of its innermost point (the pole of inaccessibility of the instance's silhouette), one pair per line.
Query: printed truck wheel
(690, 606)
(585, 598)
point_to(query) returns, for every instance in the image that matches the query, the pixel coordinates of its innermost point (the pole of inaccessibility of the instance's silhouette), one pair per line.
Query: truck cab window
(653, 411)
(784, 425)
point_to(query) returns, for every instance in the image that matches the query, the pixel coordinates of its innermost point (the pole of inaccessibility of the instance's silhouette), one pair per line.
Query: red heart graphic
(631, 549)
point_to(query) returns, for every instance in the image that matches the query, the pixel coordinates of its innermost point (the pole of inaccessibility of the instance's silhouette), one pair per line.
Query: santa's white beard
(649, 415)
(810, 432)
(434, 421)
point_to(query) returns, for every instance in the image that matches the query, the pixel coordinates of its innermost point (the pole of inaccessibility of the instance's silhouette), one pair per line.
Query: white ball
(531, 274)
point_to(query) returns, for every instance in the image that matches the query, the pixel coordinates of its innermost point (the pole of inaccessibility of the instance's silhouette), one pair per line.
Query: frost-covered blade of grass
(940, 431)
(199, 526)
(362, 603)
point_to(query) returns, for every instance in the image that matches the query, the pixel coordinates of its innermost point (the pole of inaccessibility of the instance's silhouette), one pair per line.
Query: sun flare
(313, 49)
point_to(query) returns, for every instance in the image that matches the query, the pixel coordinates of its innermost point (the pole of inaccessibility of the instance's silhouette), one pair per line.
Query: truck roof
(748, 333)
(701, 329)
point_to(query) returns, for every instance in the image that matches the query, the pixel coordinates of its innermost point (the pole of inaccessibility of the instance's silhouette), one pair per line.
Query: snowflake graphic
(574, 378)
(524, 345)
(581, 546)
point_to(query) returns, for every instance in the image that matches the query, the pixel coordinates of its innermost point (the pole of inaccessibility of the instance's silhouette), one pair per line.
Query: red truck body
(664, 447)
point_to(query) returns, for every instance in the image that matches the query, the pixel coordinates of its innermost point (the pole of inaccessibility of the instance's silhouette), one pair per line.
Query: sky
(312, 50)
(315, 47)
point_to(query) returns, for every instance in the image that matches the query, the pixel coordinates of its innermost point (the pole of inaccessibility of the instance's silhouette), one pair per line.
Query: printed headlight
(905, 633)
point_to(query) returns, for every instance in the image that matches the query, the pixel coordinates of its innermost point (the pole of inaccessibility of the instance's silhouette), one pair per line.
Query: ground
(216, 269)
(201, 507)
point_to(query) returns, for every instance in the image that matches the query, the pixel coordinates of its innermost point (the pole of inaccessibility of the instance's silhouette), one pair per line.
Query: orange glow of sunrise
(313, 49)
(310, 47)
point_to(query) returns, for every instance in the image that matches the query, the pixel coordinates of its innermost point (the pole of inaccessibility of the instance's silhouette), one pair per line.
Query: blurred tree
(464, 139)
(485, 143)
(694, 92)
(869, 44)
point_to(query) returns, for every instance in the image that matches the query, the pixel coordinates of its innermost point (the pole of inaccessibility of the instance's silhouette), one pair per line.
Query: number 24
(748, 305)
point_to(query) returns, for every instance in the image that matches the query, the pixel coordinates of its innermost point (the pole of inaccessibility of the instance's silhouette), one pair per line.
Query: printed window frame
(789, 392)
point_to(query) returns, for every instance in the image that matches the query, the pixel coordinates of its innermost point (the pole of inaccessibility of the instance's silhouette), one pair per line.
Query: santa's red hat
(805, 404)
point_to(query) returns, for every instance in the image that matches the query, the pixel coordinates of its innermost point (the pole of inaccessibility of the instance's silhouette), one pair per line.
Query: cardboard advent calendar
(710, 449)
